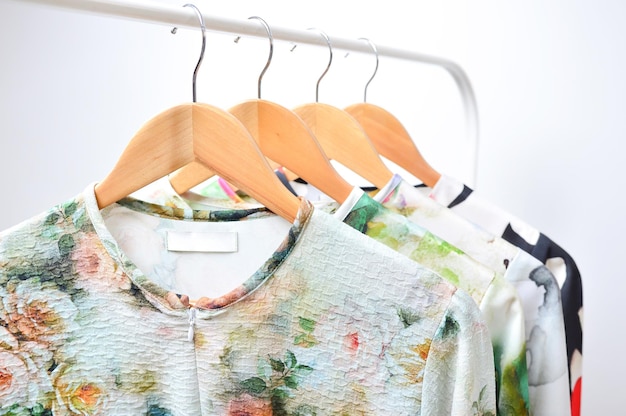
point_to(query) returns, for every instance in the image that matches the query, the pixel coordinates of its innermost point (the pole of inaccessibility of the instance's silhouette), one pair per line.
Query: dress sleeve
(504, 315)
(459, 376)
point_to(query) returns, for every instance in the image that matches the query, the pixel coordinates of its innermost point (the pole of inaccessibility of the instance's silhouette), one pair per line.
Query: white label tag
(223, 242)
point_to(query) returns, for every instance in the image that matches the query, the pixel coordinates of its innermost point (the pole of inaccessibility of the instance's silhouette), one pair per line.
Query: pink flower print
(96, 270)
(23, 378)
(36, 312)
(356, 342)
(352, 341)
(248, 405)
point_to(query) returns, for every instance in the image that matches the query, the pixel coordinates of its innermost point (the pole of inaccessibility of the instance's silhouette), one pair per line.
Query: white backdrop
(548, 78)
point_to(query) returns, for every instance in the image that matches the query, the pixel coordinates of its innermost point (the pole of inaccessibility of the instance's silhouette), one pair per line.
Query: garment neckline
(170, 302)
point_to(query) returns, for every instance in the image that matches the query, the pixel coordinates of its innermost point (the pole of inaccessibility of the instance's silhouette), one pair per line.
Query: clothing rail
(186, 17)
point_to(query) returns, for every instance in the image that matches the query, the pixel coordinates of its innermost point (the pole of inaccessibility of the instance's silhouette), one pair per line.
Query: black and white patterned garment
(465, 202)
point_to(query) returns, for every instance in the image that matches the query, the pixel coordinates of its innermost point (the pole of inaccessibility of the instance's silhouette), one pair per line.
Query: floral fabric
(468, 204)
(535, 284)
(330, 323)
(496, 297)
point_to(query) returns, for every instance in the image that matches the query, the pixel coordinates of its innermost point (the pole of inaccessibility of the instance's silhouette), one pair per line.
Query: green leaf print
(277, 365)
(307, 324)
(303, 370)
(450, 328)
(52, 219)
(291, 382)
(284, 377)
(408, 317)
(17, 410)
(280, 393)
(66, 244)
(290, 359)
(478, 408)
(254, 385)
(305, 340)
(69, 208)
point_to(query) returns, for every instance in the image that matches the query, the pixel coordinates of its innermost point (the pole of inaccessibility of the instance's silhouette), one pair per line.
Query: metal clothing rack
(185, 17)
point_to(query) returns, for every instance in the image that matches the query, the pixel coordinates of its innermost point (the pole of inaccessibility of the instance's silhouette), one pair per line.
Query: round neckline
(173, 303)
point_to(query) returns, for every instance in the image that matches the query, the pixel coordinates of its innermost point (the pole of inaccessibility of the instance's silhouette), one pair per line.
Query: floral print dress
(535, 284)
(497, 298)
(470, 205)
(93, 320)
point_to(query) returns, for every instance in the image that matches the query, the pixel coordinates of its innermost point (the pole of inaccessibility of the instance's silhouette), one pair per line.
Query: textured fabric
(536, 287)
(331, 322)
(497, 298)
(467, 203)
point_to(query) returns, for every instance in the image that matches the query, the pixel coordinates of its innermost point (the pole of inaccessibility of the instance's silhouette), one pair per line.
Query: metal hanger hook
(330, 61)
(269, 58)
(203, 27)
(375, 69)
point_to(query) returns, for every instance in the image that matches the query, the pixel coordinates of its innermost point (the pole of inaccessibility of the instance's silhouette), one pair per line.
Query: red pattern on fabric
(576, 393)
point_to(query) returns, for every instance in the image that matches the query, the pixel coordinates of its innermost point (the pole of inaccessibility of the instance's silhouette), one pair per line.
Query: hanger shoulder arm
(286, 140)
(161, 146)
(393, 141)
(223, 145)
(344, 140)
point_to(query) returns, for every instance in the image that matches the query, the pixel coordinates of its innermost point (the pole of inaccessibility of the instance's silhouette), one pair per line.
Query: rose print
(95, 270)
(76, 394)
(23, 380)
(82, 399)
(36, 312)
(356, 339)
(248, 405)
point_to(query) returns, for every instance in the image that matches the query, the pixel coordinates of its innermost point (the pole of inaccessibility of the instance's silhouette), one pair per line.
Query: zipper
(192, 324)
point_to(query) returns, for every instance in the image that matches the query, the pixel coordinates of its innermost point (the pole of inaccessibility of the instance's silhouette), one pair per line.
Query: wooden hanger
(342, 138)
(390, 137)
(203, 135)
(282, 137)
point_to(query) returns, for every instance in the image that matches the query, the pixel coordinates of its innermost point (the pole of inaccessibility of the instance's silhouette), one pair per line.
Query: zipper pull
(192, 324)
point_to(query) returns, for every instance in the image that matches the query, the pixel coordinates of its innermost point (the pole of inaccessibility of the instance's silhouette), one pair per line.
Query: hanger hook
(375, 69)
(269, 58)
(203, 27)
(330, 61)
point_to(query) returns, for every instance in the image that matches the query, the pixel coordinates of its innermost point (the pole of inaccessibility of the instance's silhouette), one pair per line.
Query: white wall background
(549, 79)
